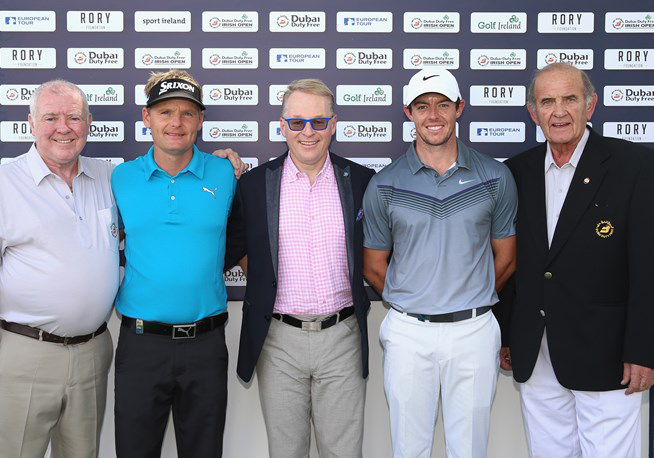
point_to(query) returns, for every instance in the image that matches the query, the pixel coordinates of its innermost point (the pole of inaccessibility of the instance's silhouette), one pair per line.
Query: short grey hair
(589, 89)
(309, 86)
(60, 87)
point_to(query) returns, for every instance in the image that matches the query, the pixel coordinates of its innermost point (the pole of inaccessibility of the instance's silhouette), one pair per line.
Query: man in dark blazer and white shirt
(581, 340)
(298, 221)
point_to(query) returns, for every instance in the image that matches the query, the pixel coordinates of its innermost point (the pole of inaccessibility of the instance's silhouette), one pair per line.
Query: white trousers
(565, 423)
(459, 361)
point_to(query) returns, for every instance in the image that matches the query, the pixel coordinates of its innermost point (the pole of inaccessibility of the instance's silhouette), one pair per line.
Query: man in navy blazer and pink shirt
(296, 227)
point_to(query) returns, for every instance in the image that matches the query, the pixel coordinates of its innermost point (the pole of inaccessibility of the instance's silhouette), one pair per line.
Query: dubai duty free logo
(280, 96)
(214, 59)
(12, 94)
(215, 94)
(349, 58)
(617, 95)
(416, 59)
(282, 20)
(80, 58)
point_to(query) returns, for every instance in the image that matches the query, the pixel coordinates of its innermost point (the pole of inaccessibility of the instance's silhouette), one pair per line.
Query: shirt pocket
(108, 227)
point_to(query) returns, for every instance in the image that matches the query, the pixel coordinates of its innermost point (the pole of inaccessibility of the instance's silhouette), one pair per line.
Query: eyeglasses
(298, 124)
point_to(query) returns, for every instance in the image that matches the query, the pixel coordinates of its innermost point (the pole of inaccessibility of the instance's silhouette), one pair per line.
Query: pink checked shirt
(313, 274)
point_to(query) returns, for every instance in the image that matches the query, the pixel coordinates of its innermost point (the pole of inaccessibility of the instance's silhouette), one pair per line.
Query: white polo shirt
(58, 249)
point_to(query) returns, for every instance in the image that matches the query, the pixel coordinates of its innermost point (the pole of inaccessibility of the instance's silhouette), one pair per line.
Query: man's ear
(145, 114)
(407, 112)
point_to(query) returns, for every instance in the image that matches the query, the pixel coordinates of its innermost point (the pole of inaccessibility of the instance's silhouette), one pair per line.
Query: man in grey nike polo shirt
(446, 213)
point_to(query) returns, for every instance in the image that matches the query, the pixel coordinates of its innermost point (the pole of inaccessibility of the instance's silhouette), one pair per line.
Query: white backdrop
(245, 435)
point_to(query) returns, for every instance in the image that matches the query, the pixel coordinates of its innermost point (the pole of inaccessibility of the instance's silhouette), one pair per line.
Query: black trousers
(155, 373)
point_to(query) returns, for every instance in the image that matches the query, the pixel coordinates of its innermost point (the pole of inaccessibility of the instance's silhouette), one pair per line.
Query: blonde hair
(308, 86)
(156, 77)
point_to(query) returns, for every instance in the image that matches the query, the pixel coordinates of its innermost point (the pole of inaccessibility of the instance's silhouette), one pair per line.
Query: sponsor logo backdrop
(244, 54)
(240, 50)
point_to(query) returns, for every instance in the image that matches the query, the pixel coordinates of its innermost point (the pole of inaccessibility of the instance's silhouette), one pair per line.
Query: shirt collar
(415, 164)
(576, 155)
(292, 173)
(196, 166)
(40, 170)
(463, 155)
(84, 170)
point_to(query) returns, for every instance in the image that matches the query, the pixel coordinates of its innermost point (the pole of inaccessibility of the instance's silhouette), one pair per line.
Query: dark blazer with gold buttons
(253, 230)
(592, 290)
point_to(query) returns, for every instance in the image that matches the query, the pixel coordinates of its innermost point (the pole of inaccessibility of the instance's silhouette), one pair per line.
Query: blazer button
(548, 275)
(274, 284)
(267, 317)
(542, 313)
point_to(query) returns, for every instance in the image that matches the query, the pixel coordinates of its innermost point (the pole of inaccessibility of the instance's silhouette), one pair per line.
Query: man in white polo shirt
(58, 279)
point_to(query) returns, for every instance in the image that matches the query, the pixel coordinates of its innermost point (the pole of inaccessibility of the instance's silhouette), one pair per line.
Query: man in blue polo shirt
(447, 214)
(174, 203)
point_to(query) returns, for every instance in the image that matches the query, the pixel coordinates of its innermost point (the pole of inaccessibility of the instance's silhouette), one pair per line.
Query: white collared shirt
(58, 249)
(557, 183)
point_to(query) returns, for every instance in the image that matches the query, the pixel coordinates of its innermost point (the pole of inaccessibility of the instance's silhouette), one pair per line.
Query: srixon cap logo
(175, 85)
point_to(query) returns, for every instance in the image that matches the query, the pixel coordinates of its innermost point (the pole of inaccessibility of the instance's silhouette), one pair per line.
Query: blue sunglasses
(298, 124)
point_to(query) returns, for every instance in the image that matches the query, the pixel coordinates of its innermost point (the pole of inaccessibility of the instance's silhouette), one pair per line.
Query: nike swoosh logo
(425, 78)
(464, 182)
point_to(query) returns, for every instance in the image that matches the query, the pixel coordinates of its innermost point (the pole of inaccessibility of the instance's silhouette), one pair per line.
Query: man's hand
(505, 358)
(239, 166)
(638, 378)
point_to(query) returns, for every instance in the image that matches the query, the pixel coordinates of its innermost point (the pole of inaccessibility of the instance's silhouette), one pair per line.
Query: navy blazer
(591, 291)
(253, 230)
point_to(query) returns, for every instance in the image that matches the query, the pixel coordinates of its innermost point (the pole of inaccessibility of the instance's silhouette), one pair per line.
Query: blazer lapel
(580, 194)
(273, 188)
(344, 183)
(532, 200)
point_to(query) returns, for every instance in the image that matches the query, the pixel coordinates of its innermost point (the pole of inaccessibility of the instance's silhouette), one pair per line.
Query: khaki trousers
(307, 376)
(52, 392)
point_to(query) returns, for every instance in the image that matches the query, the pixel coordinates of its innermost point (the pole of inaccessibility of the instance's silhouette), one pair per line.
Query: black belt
(39, 334)
(316, 325)
(448, 317)
(175, 331)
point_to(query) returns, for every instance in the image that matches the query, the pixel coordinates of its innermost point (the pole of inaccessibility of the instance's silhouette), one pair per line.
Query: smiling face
(434, 116)
(60, 126)
(308, 148)
(175, 124)
(561, 109)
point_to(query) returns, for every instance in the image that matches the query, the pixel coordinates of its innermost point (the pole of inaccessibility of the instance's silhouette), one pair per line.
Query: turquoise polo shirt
(175, 228)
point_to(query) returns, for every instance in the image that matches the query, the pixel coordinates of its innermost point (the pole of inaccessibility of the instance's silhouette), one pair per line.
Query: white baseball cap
(435, 79)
